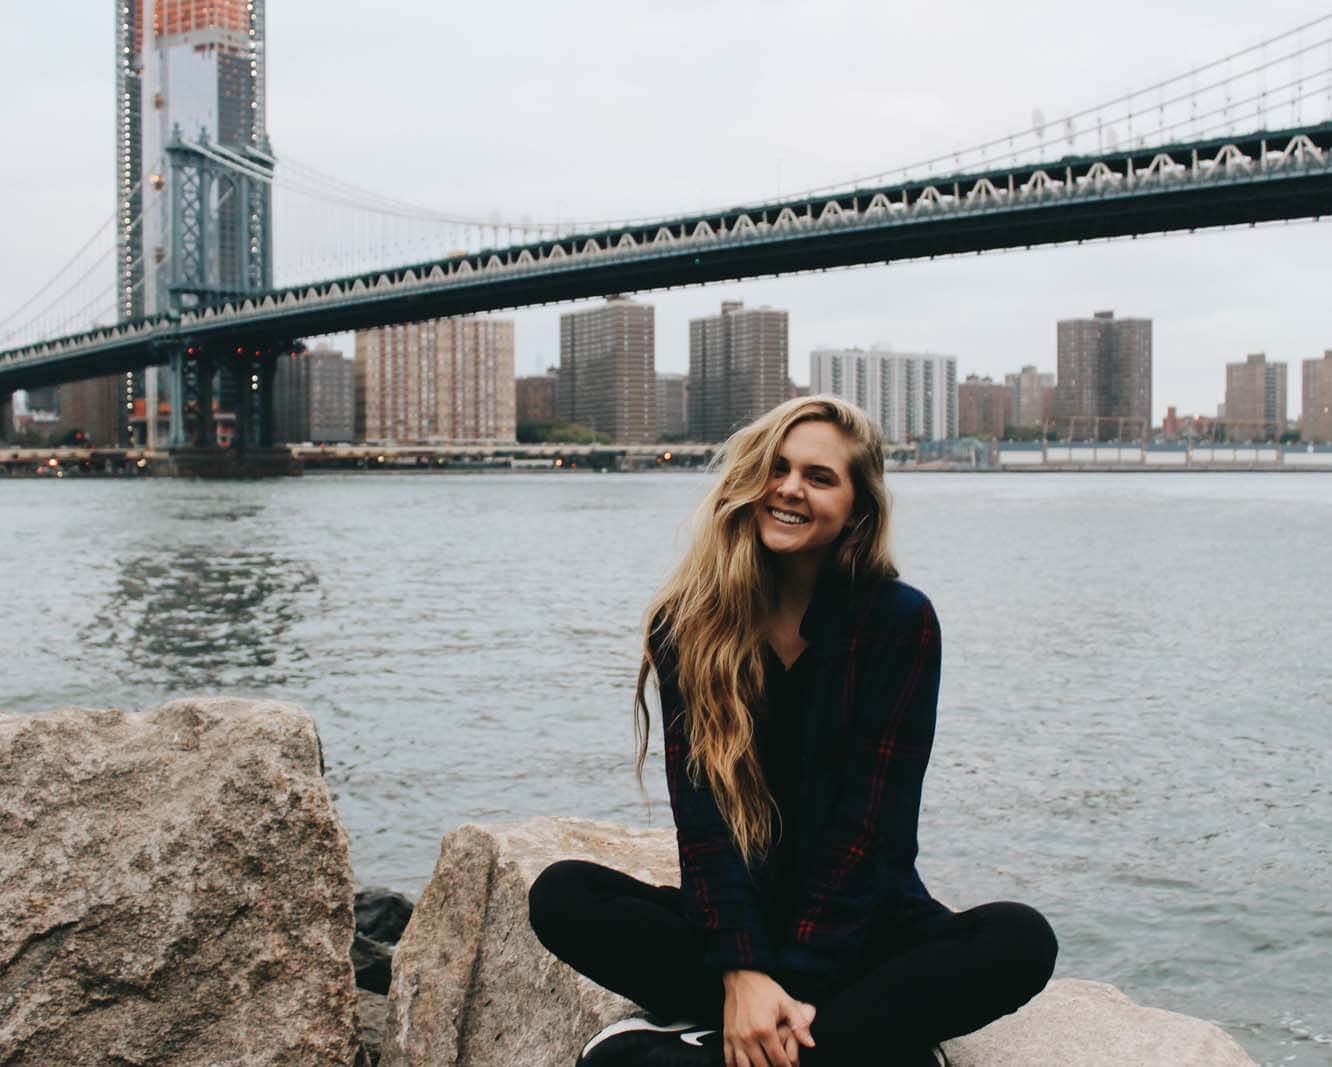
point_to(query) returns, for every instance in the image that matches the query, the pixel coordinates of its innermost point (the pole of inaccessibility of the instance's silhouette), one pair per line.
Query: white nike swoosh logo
(691, 1037)
(633, 1023)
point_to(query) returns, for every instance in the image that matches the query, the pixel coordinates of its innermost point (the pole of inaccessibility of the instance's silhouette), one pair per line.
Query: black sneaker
(644, 1041)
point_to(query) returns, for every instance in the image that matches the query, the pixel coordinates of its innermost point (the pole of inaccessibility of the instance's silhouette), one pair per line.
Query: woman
(798, 679)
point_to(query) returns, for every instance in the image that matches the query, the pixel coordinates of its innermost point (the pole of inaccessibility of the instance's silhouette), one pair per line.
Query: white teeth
(789, 518)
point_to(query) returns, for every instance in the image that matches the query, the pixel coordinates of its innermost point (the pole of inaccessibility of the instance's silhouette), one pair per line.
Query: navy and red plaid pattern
(874, 714)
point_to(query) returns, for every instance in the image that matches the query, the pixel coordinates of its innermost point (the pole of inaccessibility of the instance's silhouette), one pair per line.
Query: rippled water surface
(1135, 723)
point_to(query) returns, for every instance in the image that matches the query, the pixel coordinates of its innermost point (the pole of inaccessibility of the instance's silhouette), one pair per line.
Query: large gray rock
(175, 888)
(1092, 1024)
(472, 986)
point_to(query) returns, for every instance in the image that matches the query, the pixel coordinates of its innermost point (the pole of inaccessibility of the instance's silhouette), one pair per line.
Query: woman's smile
(788, 518)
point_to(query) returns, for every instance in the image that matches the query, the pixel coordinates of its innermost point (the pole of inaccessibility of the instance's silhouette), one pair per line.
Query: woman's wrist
(733, 978)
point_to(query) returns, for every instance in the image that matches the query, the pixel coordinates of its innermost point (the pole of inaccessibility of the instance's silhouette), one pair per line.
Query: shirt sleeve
(874, 817)
(719, 890)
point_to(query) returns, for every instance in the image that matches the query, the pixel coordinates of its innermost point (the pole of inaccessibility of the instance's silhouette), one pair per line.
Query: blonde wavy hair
(713, 609)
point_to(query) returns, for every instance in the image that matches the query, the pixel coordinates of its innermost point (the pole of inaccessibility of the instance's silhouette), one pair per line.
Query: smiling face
(810, 495)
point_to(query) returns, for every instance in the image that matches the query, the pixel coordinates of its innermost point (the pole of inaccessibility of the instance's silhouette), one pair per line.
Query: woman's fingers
(772, 1048)
(799, 1016)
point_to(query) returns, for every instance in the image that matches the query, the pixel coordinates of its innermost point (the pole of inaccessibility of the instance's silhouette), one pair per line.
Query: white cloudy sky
(589, 110)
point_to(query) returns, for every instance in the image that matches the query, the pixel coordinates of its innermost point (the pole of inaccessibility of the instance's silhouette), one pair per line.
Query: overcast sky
(596, 110)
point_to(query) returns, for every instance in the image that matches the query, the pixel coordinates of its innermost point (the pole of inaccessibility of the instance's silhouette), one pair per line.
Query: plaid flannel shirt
(868, 740)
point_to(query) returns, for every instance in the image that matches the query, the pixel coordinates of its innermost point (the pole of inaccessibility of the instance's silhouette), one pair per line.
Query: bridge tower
(194, 173)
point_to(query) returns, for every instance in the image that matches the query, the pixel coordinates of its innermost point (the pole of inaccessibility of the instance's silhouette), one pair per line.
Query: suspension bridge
(1242, 140)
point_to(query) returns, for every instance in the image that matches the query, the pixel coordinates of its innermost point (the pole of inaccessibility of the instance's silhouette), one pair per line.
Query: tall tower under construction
(193, 168)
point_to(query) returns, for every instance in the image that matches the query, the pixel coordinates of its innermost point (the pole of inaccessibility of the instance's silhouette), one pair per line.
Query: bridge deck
(1262, 177)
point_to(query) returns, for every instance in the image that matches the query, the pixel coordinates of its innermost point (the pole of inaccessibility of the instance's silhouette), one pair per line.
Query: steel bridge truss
(221, 232)
(1265, 176)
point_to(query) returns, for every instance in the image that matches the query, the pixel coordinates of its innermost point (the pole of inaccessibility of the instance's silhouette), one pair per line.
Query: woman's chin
(785, 544)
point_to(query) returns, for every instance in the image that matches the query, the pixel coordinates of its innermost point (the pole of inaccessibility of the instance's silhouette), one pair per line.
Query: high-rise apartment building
(1316, 399)
(186, 69)
(44, 398)
(92, 406)
(738, 364)
(984, 407)
(314, 397)
(1033, 396)
(608, 374)
(1255, 399)
(535, 396)
(1104, 382)
(672, 405)
(440, 380)
(909, 397)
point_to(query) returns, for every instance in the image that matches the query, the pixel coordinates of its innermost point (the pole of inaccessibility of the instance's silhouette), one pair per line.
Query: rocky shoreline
(176, 888)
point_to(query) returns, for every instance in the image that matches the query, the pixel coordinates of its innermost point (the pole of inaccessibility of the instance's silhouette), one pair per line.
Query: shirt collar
(828, 607)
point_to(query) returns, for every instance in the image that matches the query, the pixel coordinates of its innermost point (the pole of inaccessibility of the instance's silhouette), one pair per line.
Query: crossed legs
(935, 978)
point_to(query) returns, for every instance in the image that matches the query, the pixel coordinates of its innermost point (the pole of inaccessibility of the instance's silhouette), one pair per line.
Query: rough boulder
(175, 887)
(472, 986)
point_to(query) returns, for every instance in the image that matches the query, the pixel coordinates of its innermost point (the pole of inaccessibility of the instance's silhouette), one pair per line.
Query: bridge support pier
(250, 455)
(267, 371)
(176, 397)
(239, 368)
(6, 416)
(205, 432)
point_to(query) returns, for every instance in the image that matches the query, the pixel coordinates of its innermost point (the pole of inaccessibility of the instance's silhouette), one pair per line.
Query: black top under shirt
(780, 735)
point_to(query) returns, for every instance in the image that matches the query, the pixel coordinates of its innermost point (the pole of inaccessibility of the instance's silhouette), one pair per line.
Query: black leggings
(937, 976)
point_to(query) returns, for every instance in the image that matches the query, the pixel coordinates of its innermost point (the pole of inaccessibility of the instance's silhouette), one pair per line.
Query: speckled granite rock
(1092, 1024)
(472, 986)
(175, 888)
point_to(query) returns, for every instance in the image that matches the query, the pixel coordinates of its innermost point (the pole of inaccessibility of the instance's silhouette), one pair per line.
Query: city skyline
(910, 100)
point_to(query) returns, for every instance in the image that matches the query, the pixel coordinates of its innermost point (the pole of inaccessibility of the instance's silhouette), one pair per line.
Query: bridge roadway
(1261, 177)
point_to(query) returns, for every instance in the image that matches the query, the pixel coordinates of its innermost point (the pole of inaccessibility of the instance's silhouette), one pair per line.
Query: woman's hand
(762, 1026)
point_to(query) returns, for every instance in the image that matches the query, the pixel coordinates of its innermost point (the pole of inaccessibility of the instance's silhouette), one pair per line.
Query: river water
(1135, 729)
